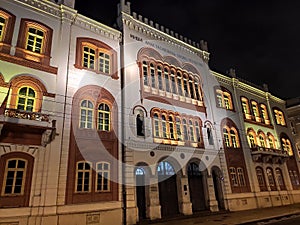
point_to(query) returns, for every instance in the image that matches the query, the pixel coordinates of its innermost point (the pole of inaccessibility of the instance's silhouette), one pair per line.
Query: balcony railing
(270, 155)
(19, 114)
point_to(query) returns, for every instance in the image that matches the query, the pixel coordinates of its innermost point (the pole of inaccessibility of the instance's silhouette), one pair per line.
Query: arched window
(252, 139)
(167, 80)
(14, 177)
(260, 179)
(262, 141)
(246, 109)
(160, 79)
(279, 117)
(185, 86)
(224, 99)
(279, 178)
(198, 90)
(173, 82)
(140, 124)
(264, 114)
(271, 140)
(152, 75)
(226, 137)
(286, 145)
(104, 117)
(165, 168)
(145, 73)
(234, 138)
(164, 126)
(179, 83)
(86, 114)
(254, 109)
(271, 180)
(191, 84)
(103, 177)
(198, 133)
(171, 127)
(83, 176)
(178, 129)
(185, 130)
(191, 128)
(156, 125)
(26, 99)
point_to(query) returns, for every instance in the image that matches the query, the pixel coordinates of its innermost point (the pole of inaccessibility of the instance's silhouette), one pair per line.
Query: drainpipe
(122, 75)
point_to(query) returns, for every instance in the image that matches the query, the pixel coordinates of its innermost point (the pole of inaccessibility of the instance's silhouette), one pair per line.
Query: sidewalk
(230, 218)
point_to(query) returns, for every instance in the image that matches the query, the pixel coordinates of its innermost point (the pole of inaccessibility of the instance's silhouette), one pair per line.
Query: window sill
(27, 63)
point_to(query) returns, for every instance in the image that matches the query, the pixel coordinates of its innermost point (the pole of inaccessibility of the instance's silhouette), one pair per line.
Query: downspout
(122, 75)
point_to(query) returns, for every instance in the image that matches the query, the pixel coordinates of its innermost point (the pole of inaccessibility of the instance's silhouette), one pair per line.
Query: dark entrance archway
(197, 185)
(141, 192)
(217, 179)
(167, 189)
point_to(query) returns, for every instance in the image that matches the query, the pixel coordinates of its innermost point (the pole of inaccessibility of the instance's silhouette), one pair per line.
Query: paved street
(272, 215)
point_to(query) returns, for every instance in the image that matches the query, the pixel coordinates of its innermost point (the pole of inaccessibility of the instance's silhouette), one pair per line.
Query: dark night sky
(259, 38)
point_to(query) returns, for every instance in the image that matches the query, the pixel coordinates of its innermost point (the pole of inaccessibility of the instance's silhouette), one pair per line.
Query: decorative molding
(7, 148)
(160, 33)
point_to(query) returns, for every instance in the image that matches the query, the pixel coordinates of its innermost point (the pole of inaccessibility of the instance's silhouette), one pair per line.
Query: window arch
(104, 115)
(271, 141)
(223, 98)
(252, 138)
(279, 117)
(246, 108)
(173, 128)
(280, 179)
(34, 42)
(26, 99)
(286, 146)
(231, 139)
(261, 179)
(255, 111)
(262, 139)
(86, 114)
(271, 179)
(264, 114)
(16, 175)
(97, 56)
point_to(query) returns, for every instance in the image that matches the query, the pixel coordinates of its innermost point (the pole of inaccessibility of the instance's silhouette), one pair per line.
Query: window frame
(7, 31)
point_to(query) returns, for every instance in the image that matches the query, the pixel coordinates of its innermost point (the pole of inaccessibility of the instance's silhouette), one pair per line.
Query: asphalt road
(291, 220)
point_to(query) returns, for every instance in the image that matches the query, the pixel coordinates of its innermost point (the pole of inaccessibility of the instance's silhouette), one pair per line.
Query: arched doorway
(140, 192)
(167, 189)
(197, 187)
(217, 179)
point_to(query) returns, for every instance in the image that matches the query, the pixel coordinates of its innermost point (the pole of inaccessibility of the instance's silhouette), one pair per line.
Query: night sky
(260, 39)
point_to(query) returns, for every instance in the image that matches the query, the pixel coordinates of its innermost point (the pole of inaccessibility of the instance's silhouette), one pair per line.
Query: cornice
(154, 33)
(97, 27)
(69, 15)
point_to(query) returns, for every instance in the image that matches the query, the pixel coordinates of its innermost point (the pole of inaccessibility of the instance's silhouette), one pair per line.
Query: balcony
(269, 155)
(23, 127)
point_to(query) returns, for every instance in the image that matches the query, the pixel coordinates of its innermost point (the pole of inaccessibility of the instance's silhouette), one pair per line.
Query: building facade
(107, 126)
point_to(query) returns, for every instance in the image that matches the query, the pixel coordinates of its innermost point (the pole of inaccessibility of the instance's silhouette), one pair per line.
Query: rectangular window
(83, 177)
(14, 181)
(88, 59)
(233, 176)
(35, 39)
(241, 177)
(104, 62)
(2, 27)
(103, 177)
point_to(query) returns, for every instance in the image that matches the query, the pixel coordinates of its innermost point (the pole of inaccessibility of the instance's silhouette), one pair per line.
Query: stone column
(185, 205)
(153, 209)
(212, 202)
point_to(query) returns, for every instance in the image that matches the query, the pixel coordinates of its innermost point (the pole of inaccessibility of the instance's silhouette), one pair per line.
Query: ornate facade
(107, 126)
